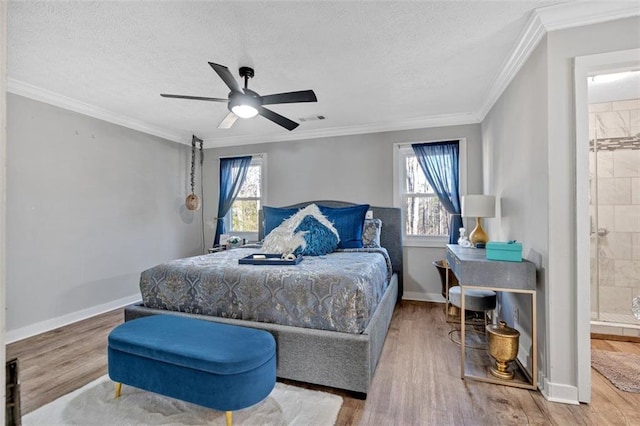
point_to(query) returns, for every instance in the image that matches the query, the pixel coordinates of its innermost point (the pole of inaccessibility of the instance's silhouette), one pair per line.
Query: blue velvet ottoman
(219, 366)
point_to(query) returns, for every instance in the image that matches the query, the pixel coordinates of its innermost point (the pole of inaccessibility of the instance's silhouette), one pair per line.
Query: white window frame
(400, 151)
(256, 160)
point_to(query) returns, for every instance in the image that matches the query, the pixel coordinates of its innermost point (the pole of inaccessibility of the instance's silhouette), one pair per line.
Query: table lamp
(478, 206)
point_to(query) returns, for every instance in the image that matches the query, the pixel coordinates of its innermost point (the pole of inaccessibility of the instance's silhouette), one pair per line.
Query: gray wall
(514, 137)
(355, 168)
(90, 205)
(563, 47)
(529, 141)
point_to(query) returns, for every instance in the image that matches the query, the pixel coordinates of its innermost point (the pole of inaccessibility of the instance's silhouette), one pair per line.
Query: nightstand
(217, 249)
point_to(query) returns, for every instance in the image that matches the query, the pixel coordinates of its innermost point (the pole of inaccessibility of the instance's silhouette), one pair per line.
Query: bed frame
(329, 358)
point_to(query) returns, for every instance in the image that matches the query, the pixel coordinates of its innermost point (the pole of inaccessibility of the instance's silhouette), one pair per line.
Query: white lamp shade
(244, 111)
(478, 206)
(243, 105)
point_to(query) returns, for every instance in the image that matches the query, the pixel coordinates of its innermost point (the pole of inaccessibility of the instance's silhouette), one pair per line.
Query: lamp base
(478, 237)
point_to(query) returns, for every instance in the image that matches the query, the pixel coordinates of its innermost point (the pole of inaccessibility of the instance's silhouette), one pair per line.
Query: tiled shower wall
(617, 179)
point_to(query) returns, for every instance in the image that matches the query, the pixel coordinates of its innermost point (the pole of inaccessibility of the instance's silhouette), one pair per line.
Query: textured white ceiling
(370, 64)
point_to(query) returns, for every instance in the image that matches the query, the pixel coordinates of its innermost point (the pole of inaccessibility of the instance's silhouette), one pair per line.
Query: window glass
(243, 216)
(424, 214)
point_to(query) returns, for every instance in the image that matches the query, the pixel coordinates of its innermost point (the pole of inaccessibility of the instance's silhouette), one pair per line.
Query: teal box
(510, 251)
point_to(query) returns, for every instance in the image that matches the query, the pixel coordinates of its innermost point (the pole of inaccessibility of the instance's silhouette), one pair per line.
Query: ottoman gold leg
(118, 389)
(229, 416)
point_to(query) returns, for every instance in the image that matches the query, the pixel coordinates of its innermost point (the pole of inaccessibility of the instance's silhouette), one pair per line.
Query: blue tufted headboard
(390, 237)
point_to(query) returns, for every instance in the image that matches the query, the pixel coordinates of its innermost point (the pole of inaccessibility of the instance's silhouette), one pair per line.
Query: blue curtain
(233, 171)
(439, 162)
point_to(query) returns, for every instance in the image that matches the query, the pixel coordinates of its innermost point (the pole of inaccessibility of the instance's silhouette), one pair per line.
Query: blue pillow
(348, 221)
(320, 239)
(274, 216)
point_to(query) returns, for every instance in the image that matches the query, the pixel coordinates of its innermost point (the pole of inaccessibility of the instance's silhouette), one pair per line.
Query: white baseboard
(555, 392)
(422, 297)
(53, 323)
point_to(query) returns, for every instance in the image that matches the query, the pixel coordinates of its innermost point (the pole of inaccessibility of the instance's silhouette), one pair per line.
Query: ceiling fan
(245, 103)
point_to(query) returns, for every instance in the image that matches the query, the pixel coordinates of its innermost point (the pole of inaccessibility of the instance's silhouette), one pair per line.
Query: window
(424, 214)
(426, 221)
(242, 219)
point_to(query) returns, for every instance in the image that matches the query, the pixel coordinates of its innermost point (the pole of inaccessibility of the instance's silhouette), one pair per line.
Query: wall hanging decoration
(193, 202)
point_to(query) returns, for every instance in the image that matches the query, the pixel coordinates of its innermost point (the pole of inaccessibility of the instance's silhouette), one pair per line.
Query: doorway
(614, 202)
(590, 292)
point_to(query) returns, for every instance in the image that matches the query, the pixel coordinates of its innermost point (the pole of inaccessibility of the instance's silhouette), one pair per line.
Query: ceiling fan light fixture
(244, 111)
(244, 106)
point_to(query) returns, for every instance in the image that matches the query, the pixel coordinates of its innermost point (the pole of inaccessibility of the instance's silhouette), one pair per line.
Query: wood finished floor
(417, 381)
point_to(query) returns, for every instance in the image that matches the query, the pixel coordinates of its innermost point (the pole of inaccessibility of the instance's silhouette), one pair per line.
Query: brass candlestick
(503, 348)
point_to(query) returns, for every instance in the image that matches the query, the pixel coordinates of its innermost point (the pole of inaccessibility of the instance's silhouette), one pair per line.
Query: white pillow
(284, 240)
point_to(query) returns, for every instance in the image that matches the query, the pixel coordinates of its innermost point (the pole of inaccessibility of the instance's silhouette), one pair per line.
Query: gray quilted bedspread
(337, 292)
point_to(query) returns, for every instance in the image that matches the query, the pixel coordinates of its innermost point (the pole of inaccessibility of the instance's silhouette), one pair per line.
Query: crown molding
(36, 93)
(569, 15)
(443, 120)
(529, 38)
(546, 19)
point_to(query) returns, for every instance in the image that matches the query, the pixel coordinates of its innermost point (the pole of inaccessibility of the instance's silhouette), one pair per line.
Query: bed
(343, 354)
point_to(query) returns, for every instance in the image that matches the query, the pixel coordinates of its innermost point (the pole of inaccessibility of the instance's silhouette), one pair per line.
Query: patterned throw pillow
(371, 233)
(319, 239)
(306, 228)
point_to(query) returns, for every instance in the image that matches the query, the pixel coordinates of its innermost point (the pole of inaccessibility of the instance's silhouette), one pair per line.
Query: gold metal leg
(229, 416)
(118, 389)
(463, 334)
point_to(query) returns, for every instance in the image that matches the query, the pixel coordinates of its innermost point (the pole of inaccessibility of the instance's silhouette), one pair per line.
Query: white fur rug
(94, 404)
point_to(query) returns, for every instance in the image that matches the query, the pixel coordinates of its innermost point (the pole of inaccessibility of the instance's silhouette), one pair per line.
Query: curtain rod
(260, 155)
(408, 144)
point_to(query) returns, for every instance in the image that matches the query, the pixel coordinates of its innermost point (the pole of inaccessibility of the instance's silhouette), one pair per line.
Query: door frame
(585, 67)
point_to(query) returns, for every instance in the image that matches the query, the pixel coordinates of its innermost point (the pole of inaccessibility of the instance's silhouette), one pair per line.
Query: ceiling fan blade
(197, 98)
(277, 118)
(228, 121)
(226, 76)
(290, 97)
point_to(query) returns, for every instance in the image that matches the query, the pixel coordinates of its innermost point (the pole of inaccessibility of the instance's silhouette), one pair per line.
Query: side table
(474, 271)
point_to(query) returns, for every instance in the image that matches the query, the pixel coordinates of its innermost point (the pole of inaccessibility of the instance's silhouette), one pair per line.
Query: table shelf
(478, 365)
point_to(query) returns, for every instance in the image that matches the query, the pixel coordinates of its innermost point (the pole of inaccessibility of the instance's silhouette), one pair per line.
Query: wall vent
(312, 118)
